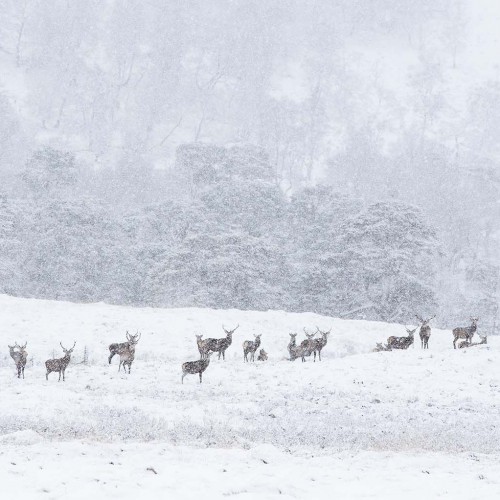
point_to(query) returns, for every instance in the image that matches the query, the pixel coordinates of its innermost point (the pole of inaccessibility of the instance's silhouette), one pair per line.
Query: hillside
(353, 415)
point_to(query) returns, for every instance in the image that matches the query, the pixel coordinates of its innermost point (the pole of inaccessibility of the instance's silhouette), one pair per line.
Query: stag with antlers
(20, 357)
(60, 364)
(217, 345)
(465, 332)
(318, 344)
(122, 348)
(425, 330)
(401, 342)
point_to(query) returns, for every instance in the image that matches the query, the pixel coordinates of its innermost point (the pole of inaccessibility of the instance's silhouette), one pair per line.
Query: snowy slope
(355, 424)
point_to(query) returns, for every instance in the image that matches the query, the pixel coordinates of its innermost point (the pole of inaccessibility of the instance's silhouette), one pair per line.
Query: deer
(381, 347)
(192, 367)
(318, 344)
(249, 347)
(401, 342)
(425, 330)
(464, 343)
(297, 351)
(19, 358)
(308, 343)
(124, 346)
(262, 355)
(59, 365)
(220, 345)
(465, 332)
(203, 345)
(127, 356)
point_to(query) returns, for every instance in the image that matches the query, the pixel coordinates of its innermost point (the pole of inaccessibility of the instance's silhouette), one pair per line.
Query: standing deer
(401, 342)
(220, 345)
(59, 365)
(127, 356)
(318, 344)
(203, 346)
(250, 346)
(308, 344)
(297, 351)
(465, 332)
(262, 355)
(425, 330)
(124, 346)
(19, 358)
(193, 367)
(464, 343)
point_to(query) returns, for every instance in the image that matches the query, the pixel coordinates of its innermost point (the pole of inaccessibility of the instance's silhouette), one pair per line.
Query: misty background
(339, 157)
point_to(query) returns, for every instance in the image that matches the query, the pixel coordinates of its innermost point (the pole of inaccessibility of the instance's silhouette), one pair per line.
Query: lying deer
(262, 355)
(318, 344)
(425, 331)
(124, 346)
(401, 342)
(464, 343)
(381, 347)
(59, 365)
(249, 347)
(20, 357)
(192, 367)
(465, 332)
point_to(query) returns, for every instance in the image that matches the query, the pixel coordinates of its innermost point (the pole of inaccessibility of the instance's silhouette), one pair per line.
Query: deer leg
(110, 357)
(200, 376)
(319, 355)
(64, 373)
(47, 376)
(183, 375)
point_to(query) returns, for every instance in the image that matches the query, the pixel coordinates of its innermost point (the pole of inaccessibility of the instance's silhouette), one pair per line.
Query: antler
(138, 333)
(322, 333)
(228, 331)
(309, 334)
(24, 346)
(419, 318)
(127, 335)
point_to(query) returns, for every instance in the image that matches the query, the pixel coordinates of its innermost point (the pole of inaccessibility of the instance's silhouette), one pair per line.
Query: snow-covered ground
(357, 425)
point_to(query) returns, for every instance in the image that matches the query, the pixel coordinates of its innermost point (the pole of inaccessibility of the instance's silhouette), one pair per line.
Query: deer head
(410, 333)
(323, 333)
(309, 335)
(133, 339)
(257, 336)
(424, 322)
(474, 321)
(21, 348)
(67, 351)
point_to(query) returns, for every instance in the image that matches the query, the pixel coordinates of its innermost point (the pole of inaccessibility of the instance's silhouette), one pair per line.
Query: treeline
(233, 239)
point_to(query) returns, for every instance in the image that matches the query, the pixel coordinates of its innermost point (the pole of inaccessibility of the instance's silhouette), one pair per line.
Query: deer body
(60, 364)
(126, 358)
(425, 331)
(465, 332)
(297, 351)
(318, 344)
(193, 367)
(219, 345)
(123, 346)
(20, 357)
(249, 347)
(401, 342)
(464, 343)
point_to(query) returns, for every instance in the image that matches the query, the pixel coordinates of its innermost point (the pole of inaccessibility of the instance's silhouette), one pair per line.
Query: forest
(334, 157)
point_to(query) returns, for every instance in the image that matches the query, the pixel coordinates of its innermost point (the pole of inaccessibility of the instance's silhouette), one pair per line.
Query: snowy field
(357, 425)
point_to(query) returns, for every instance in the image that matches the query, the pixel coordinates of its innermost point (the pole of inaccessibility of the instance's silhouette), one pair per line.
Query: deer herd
(461, 332)
(207, 347)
